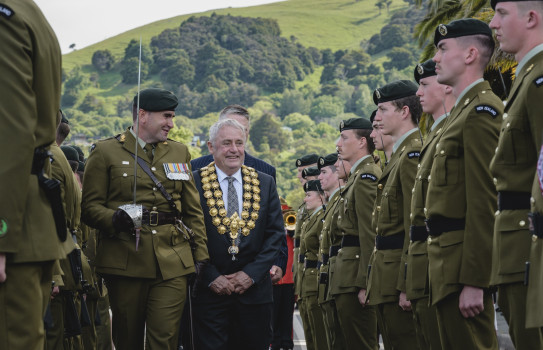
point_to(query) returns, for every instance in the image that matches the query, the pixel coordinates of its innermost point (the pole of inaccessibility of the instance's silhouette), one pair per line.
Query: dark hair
(413, 103)
(365, 133)
(484, 44)
(234, 109)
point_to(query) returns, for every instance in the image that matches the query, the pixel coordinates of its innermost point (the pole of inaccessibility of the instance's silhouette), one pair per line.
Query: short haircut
(525, 6)
(483, 43)
(234, 109)
(333, 168)
(365, 133)
(413, 103)
(215, 128)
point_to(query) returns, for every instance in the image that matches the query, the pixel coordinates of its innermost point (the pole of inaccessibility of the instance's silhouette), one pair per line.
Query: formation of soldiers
(418, 242)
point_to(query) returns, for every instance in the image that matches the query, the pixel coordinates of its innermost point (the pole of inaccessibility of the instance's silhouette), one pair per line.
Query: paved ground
(504, 340)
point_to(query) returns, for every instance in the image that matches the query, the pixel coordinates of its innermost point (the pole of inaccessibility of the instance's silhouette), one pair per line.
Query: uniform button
(339, 217)
(411, 216)
(495, 181)
(425, 211)
(339, 250)
(420, 177)
(418, 166)
(522, 223)
(505, 116)
(341, 199)
(496, 150)
(507, 125)
(343, 233)
(429, 177)
(484, 92)
(413, 190)
(497, 213)
(380, 186)
(386, 194)
(466, 102)
(378, 208)
(125, 174)
(534, 238)
(154, 188)
(153, 232)
(357, 256)
(532, 200)
(429, 240)
(153, 169)
(376, 229)
(154, 208)
(442, 152)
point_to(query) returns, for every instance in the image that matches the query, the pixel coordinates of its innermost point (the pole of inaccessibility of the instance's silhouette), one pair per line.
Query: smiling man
(519, 29)
(146, 269)
(244, 226)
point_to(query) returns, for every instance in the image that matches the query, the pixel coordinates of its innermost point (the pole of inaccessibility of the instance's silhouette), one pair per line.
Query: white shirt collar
(221, 175)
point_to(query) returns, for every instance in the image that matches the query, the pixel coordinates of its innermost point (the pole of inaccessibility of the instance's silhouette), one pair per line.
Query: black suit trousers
(221, 322)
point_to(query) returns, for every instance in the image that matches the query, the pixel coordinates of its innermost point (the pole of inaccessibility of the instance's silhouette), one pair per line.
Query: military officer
(330, 184)
(398, 111)
(436, 100)
(311, 229)
(145, 267)
(461, 198)
(30, 88)
(302, 163)
(349, 284)
(519, 30)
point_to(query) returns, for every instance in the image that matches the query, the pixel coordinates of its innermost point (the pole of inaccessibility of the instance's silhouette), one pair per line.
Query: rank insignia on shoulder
(538, 81)
(368, 176)
(413, 154)
(5, 11)
(177, 171)
(486, 109)
(93, 147)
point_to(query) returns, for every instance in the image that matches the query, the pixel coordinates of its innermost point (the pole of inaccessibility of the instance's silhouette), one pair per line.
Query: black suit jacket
(251, 161)
(257, 251)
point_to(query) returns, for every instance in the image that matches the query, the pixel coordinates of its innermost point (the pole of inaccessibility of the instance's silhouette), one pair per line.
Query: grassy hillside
(334, 24)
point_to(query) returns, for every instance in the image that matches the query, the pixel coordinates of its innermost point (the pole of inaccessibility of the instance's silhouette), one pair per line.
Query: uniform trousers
(23, 300)
(150, 307)
(397, 327)
(316, 322)
(334, 334)
(359, 323)
(283, 309)
(103, 331)
(473, 333)
(306, 323)
(222, 322)
(425, 318)
(512, 302)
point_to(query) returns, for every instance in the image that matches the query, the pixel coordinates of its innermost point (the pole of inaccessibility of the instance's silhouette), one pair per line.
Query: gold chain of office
(215, 203)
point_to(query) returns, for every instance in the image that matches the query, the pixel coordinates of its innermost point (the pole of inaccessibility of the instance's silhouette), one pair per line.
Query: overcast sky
(85, 22)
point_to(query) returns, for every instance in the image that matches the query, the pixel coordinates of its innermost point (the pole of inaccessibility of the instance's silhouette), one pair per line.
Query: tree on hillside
(380, 4)
(129, 72)
(399, 58)
(132, 50)
(103, 60)
(267, 131)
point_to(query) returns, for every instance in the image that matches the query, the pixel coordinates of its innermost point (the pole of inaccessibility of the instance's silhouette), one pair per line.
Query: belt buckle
(153, 222)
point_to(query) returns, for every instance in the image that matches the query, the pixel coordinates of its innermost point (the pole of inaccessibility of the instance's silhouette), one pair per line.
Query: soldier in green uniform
(145, 268)
(329, 180)
(383, 143)
(302, 163)
(534, 297)
(358, 320)
(461, 198)
(311, 229)
(398, 111)
(436, 100)
(30, 87)
(519, 30)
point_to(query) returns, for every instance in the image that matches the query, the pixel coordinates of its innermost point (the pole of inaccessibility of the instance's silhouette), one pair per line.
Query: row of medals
(251, 204)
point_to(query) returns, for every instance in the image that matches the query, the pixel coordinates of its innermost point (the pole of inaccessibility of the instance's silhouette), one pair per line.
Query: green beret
(70, 153)
(372, 117)
(311, 171)
(494, 2)
(313, 185)
(461, 27)
(79, 152)
(424, 70)
(155, 100)
(307, 160)
(355, 123)
(81, 167)
(394, 91)
(327, 160)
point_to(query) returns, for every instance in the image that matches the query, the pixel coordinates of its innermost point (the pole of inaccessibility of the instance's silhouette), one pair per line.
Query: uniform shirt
(460, 187)
(514, 164)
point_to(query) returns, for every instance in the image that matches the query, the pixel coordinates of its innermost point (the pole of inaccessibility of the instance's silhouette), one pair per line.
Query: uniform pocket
(513, 241)
(389, 203)
(517, 141)
(451, 244)
(388, 275)
(122, 177)
(347, 266)
(448, 166)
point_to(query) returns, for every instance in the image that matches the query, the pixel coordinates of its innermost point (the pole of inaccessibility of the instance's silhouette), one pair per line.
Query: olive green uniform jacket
(29, 101)
(311, 230)
(461, 187)
(329, 221)
(417, 258)
(387, 277)
(109, 183)
(534, 297)
(513, 168)
(301, 215)
(354, 219)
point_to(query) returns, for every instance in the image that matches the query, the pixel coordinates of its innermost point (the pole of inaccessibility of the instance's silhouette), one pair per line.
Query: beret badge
(442, 29)
(420, 69)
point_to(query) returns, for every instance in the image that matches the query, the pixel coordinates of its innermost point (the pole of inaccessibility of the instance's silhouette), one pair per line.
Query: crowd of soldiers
(413, 241)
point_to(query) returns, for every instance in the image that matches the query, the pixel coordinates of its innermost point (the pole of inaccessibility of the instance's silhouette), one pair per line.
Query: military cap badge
(420, 69)
(341, 125)
(298, 162)
(322, 161)
(378, 93)
(442, 29)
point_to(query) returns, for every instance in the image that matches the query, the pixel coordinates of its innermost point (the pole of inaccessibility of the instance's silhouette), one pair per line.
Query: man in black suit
(244, 225)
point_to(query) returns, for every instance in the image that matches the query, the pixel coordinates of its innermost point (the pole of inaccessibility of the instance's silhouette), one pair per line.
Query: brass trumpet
(290, 220)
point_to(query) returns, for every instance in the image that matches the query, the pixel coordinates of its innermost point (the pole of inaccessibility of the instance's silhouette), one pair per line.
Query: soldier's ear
(448, 89)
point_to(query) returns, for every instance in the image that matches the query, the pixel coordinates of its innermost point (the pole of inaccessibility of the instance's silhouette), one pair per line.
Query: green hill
(333, 24)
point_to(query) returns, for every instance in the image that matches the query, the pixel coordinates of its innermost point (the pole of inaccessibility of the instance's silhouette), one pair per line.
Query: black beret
(394, 91)
(307, 160)
(81, 167)
(79, 152)
(327, 160)
(156, 100)
(355, 123)
(461, 27)
(70, 153)
(311, 171)
(313, 185)
(372, 117)
(424, 70)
